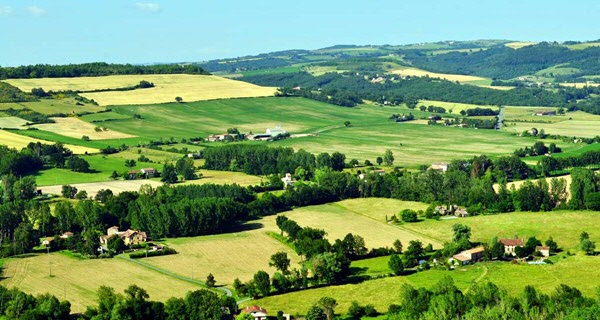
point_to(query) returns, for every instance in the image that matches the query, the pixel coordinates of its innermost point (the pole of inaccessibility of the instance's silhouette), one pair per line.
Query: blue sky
(146, 31)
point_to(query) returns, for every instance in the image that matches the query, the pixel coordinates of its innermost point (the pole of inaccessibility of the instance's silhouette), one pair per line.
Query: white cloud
(36, 11)
(148, 6)
(6, 11)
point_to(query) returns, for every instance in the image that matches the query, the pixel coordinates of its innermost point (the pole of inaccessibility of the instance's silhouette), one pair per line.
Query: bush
(143, 254)
(409, 215)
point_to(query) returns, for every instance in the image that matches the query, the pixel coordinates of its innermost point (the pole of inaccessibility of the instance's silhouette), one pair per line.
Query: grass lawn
(358, 216)
(77, 280)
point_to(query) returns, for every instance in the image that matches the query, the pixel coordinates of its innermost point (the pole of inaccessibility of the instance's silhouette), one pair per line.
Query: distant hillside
(93, 69)
(506, 63)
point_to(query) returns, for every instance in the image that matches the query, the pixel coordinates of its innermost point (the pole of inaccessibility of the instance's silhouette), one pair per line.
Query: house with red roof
(511, 244)
(257, 312)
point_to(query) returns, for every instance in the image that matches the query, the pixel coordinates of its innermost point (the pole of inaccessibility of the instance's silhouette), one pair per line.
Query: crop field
(580, 84)
(357, 217)
(77, 280)
(408, 71)
(185, 120)
(103, 116)
(564, 226)
(18, 141)
(76, 128)
(226, 256)
(519, 44)
(577, 124)
(53, 106)
(581, 46)
(167, 87)
(225, 177)
(116, 186)
(12, 123)
(52, 137)
(412, 143)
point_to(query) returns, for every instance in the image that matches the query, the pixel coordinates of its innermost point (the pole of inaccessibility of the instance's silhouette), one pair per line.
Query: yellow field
(226, 256)
(12, 123)
(77, 280)
(13, 140)
(167, 87)
(519, 44)
(407, 71)
(225, 177)
(360, 216)
(76, 128)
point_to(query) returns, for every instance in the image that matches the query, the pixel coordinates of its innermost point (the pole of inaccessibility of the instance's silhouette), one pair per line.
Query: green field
(103, 166)
(574, 124)
(564, 226)
(52, 137)
(369, 136)
(103, 116)
(545, 278)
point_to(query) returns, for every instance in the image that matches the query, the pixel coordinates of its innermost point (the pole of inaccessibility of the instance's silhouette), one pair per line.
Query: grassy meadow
(365, 217)
(167, 87)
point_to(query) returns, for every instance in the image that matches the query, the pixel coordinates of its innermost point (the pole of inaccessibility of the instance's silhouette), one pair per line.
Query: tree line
(37, 155)
(94, 69)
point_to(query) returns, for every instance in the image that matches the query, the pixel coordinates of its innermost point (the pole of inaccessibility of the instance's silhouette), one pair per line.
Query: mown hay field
(77, 128)
(167, 87)
(12, 123)
(456, 107)
(226, 256)
(408, 71)
(13, 140)
(77, 280)
(361, 217)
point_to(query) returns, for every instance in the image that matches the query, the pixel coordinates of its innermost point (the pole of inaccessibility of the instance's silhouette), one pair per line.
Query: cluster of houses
(48, 241)
(439, 166)
(454, 210)
(145, 173)
(544, 113)
(129, 237)
(268, 135)
(476, 254)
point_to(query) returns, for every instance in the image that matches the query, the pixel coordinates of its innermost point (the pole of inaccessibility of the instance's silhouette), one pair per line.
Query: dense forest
(93, 70)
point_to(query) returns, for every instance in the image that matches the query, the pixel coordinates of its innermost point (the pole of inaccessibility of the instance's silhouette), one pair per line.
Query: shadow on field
(245, 227)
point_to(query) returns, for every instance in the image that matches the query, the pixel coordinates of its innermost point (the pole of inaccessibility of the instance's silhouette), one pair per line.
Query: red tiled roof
(512, 242)
(461, 257)
(476, 250)
(250, 309)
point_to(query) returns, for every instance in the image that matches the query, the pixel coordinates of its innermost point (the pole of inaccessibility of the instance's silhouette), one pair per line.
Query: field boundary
(176, 276)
